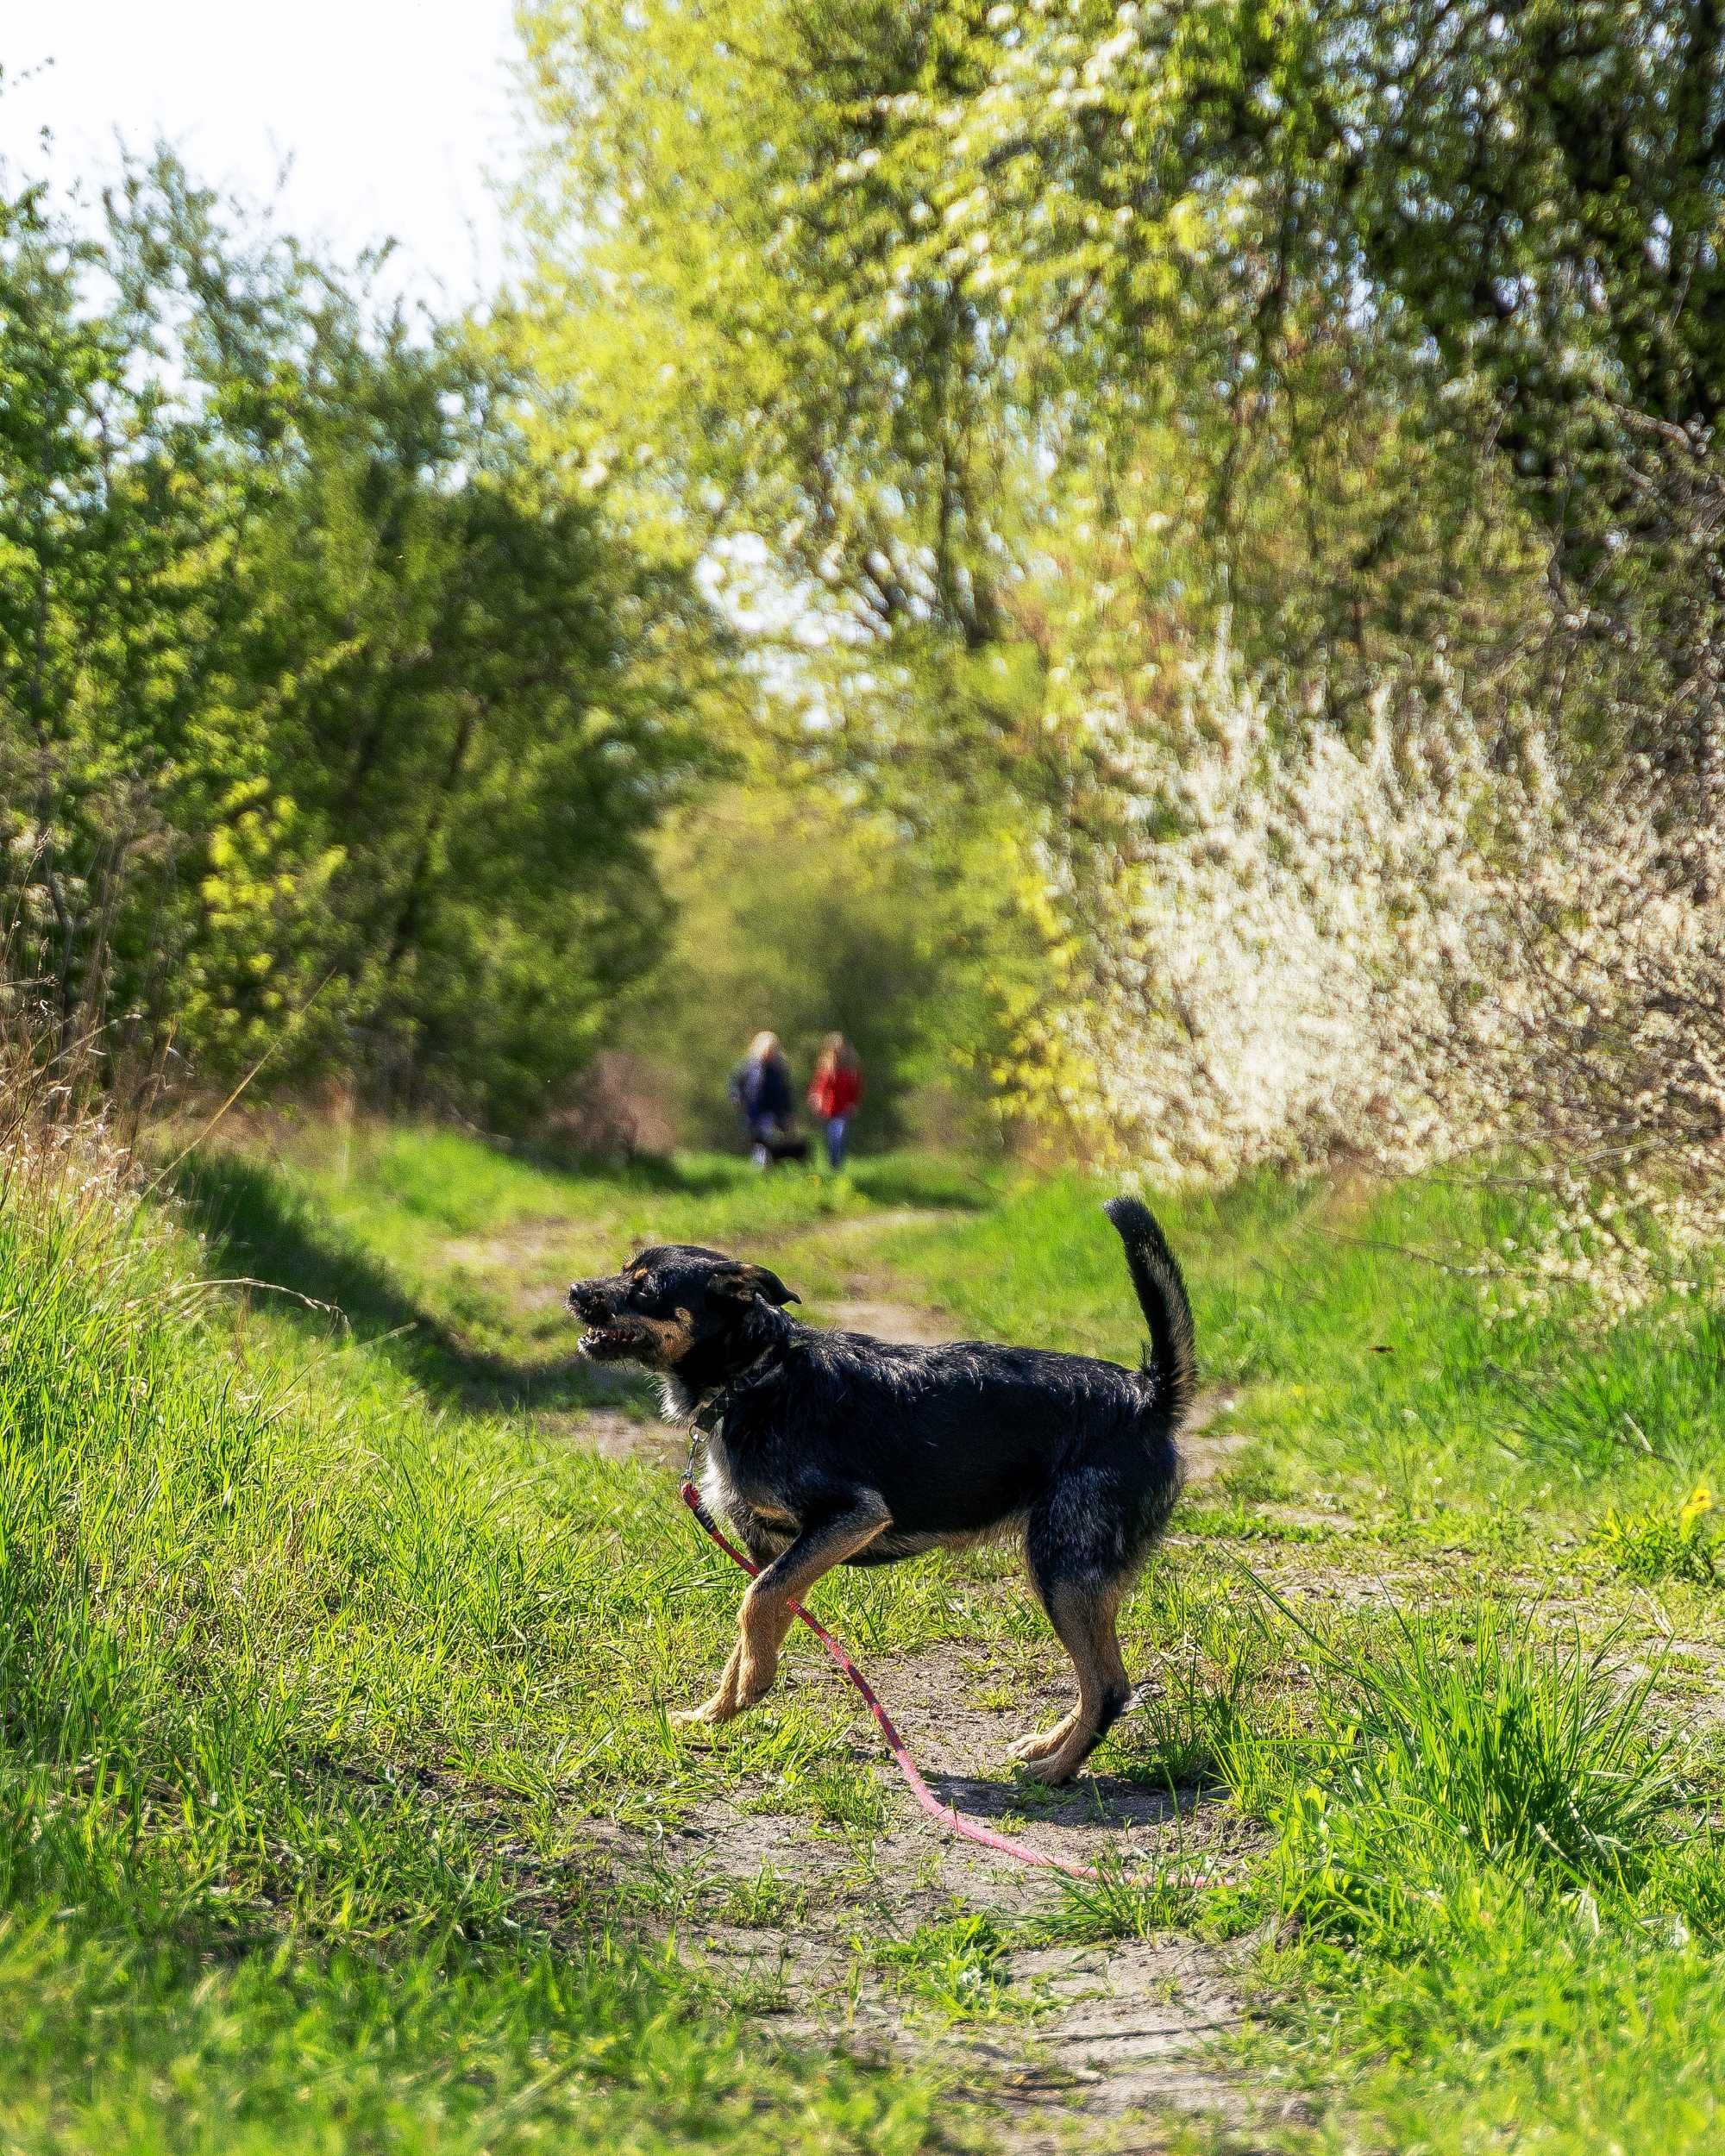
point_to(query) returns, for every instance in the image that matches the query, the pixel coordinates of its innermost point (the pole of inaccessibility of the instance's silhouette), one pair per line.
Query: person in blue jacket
(761, 1088)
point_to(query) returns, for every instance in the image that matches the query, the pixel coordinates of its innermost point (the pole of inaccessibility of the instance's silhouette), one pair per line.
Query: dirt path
(889, 1321)
(1083, 2041)
(1105, 2039)
(913, 1944)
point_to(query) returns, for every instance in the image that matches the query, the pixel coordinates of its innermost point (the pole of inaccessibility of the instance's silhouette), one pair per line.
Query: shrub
(1447, 938)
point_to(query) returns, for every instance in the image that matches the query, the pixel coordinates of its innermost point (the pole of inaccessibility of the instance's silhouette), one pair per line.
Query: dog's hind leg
(1082, 1598)
(1085, 1622)
(765, 1617)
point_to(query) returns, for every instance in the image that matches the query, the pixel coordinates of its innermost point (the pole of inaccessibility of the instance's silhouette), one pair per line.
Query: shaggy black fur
(834, 1448)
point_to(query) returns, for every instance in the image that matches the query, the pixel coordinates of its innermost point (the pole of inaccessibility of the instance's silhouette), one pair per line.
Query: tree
(311, 677)
(1050, 348)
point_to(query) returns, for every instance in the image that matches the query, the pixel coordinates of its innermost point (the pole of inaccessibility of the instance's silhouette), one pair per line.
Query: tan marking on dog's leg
(1086, 1626)
(1040, 1742)
(723, 1704)
(765, 1616)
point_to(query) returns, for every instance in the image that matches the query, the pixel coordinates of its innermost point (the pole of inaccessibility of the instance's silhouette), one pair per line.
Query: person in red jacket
(834, 1092)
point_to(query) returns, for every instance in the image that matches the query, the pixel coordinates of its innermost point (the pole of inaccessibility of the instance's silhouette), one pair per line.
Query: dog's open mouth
(606, 1342)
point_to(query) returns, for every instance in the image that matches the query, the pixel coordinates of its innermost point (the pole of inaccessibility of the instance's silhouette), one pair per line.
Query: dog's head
(669, 1302)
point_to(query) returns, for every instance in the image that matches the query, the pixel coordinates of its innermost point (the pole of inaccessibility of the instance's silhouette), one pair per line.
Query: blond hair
(762, 1046)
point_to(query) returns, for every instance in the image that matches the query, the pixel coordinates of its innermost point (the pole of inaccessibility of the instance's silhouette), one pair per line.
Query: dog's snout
(586, 1302)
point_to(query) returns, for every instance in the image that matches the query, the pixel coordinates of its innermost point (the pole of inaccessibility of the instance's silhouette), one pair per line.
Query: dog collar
(708, 1419)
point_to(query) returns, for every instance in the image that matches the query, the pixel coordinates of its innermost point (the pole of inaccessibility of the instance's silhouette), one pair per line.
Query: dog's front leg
(723, 1704)
(761, 1548)
(765, 1617)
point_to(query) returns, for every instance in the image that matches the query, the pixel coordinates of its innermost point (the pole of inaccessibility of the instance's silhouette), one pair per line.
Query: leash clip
(706, 1423)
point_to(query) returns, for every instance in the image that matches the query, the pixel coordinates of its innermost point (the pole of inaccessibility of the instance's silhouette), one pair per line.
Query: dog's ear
(741, 1283)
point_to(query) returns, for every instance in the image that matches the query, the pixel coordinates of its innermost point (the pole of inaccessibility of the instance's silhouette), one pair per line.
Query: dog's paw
(1040, 1742)
(1057, 1767)
(721, 1708)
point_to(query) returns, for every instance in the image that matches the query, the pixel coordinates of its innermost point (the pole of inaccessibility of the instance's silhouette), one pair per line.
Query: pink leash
(944, 1814)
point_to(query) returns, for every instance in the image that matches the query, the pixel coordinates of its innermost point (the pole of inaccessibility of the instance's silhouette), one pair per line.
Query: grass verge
(259, 1615)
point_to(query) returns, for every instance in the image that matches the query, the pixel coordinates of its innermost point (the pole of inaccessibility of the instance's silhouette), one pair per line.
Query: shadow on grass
(1099, 1800)
(931, 1180)
(702, 1176)
(924, 1178)
(258, 1229)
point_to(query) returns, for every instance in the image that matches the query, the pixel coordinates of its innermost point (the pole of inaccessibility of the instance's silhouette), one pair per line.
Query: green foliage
(930, 238)
(261, 2051)
(1044, 349)
(1467, 1740)
(1028, 324)
(956, 1967)
(800, 912)
(1565, 2030)
(792, 917)
(1676, 1542)
(310, 678)
(1132, 1899)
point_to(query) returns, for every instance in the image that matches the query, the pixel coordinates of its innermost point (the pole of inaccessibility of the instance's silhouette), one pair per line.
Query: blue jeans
(837, 1126)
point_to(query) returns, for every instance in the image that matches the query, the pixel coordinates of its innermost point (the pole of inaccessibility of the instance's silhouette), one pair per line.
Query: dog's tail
(1173, 1368)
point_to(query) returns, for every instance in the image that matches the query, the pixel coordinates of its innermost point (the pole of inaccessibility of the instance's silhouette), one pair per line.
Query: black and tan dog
(831, 1448)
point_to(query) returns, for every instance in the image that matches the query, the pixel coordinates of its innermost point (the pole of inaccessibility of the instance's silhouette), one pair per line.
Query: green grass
(1467, 1739)
(324, 1647)
(299, 1679)
(133, 2048)
(1671, 1542)
(457, 1252)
